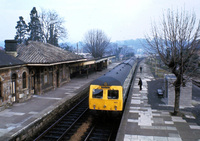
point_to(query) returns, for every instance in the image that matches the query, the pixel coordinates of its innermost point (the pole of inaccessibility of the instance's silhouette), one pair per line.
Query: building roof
(44, 53)
(8, 60)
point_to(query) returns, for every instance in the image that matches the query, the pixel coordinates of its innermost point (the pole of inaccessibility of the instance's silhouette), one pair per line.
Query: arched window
(45, 75)
(13, 84)
(24, 80)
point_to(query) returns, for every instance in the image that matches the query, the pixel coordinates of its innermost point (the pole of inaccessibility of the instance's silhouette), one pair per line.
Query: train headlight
(115, 108)
(94, 106)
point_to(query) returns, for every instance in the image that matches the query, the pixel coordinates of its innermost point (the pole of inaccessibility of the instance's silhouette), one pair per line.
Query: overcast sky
(119, 19)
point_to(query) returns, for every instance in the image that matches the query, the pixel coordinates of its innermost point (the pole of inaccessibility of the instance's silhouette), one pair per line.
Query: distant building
(86, 55)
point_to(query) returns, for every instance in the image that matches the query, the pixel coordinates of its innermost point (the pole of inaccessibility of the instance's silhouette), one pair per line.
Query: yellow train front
(108, 92)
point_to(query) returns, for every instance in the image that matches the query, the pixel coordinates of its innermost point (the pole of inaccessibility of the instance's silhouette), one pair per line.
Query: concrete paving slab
(142, 122)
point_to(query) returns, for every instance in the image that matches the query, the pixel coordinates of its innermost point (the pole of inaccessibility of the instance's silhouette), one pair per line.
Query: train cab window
(97, 93)
(113, 94)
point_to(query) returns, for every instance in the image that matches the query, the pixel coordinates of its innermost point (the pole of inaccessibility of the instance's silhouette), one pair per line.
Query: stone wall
(51, 77)
(21, 94)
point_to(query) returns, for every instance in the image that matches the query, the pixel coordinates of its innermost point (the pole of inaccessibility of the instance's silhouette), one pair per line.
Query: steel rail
(89, 134)
(62, 136)
(60, 119)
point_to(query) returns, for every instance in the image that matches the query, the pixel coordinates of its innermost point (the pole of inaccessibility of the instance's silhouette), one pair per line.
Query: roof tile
(37, 52)
(8, 60)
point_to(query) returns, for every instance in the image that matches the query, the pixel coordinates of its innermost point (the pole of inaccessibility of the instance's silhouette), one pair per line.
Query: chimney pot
(11, 47)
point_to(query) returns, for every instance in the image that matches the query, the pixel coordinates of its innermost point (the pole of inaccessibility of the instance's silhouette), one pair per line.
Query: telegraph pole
(77, 48)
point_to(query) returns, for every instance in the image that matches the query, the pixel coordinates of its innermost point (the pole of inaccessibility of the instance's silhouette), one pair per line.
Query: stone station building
(35, 68)
(13, 80)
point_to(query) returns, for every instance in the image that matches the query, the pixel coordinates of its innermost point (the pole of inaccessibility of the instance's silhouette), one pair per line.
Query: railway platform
(20, 116)
(143, 122)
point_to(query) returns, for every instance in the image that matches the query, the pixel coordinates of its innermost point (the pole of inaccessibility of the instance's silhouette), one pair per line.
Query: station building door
(32, 84)
(57, 79)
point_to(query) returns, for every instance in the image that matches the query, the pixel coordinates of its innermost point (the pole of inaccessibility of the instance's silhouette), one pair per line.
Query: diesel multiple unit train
(108, 92)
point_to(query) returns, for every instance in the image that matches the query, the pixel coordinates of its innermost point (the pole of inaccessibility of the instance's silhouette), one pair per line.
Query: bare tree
(176, 41)
(114, 49)
(127, 52)
(95, 42)
(52, 27)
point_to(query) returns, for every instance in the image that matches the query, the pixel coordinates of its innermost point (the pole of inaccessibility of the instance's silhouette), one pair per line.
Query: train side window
(97, 93)
(113, 94)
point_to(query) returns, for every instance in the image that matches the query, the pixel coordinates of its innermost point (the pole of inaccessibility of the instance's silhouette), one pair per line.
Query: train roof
(117, 75)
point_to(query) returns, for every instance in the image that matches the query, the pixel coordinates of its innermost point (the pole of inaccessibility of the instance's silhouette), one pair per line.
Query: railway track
(67, 124)
(103, 131)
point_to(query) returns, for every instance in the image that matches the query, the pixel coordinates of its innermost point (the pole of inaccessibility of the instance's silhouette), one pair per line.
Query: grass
(158, 72)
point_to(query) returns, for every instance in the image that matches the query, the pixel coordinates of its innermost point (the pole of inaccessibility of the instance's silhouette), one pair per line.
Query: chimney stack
(11, 47)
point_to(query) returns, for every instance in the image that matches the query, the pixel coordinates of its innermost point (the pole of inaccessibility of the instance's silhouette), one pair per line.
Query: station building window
(13, 83)
(50, 76)
(63, 72)
(45, 75)
(24, 80)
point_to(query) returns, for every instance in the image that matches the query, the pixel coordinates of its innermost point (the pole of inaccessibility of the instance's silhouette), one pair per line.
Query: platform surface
(142, 122)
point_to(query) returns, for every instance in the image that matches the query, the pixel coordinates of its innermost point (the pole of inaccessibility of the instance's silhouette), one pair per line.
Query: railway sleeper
(48, 137)
(63, 125)
(59, 129)
(72, 116)
(68, 120)
(56, 132)
(101, 134)
(102, 131)
(98, 139)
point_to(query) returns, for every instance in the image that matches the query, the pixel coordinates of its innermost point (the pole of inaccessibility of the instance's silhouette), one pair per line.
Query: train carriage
(108, 92)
